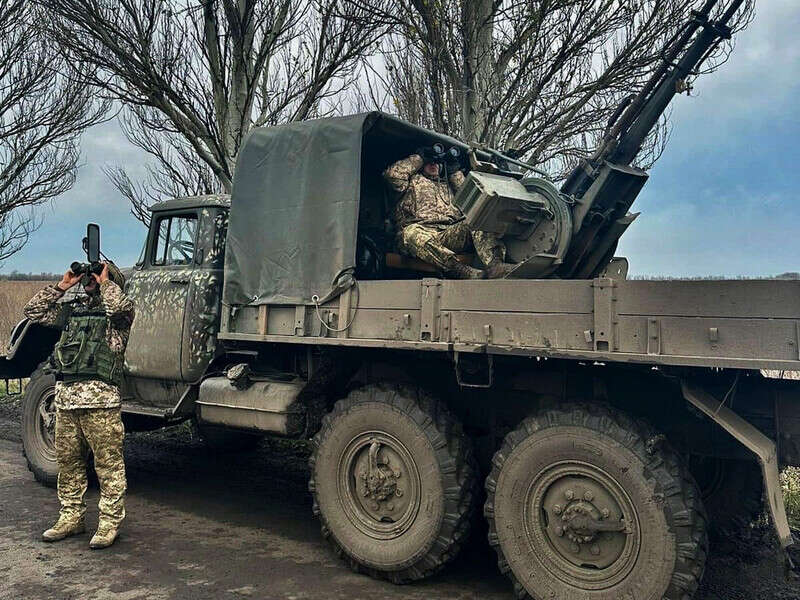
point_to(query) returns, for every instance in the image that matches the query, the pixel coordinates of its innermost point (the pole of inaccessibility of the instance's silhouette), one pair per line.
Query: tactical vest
(82, 353)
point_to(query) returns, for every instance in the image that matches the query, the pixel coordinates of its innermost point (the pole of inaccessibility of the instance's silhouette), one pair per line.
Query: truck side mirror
(93, 242)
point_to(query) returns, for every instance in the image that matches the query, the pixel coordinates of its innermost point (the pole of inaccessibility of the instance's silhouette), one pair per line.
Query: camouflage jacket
(423, 200)
(45, 309)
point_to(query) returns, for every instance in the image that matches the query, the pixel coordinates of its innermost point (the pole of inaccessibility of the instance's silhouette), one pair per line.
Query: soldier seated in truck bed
(430, 227)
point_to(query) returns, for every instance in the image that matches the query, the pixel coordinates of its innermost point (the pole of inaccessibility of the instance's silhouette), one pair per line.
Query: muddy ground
(208, 525)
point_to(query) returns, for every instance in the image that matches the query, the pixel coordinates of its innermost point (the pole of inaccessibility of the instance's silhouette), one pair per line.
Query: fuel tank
(265, 405)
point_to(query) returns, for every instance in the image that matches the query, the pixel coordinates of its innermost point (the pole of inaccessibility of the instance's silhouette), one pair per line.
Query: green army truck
(603, 426)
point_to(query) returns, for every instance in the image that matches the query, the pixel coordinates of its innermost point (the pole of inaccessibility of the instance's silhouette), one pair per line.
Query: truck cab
(177, 287)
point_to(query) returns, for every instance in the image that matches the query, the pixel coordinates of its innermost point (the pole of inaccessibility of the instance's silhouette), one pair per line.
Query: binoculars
(79, 268)
(438, 153)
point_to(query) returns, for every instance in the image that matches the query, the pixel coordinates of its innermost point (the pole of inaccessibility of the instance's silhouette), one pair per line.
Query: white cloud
(762, 71)
(723, 200)
(737, 234)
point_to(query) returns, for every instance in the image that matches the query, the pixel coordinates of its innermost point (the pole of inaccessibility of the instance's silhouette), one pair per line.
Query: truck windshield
(175, 243)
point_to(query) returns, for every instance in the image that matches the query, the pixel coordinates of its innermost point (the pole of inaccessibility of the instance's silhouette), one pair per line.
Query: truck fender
(30, 344)
(755, 441)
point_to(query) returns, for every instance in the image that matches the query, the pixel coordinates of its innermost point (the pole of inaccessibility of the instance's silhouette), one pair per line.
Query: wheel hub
(379, 480)
(578, 519)
(380, 485)
(583, 524)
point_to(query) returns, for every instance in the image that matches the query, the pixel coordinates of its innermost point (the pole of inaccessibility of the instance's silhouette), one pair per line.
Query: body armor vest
(82, 353)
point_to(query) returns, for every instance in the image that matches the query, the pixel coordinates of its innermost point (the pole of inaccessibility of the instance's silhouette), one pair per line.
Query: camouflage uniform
(430, 227)
(88, 415)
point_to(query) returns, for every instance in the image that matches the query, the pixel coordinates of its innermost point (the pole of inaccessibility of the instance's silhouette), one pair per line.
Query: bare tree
(42, 114)
(196, 75)
(540, 77)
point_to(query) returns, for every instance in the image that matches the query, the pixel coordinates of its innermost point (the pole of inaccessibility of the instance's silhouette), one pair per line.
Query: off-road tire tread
(672, 476)
(39, 474)
(454, 454)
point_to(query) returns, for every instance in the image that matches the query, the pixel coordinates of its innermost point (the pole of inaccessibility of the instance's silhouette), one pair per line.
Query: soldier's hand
(103, 276)
(68, 280)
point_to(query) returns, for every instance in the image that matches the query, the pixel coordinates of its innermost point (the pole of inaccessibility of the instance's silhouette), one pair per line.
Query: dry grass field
(13, 296)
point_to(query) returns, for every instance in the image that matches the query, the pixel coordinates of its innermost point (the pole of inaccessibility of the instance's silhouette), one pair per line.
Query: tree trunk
(478, 24)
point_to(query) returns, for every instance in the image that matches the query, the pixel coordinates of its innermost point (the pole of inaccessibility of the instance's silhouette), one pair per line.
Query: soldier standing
(431, 228)
(87, 361)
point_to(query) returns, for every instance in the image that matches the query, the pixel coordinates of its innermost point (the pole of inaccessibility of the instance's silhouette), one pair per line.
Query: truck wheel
(582, 501)
(223, 439)
(39, 427)
(732, 492)
(394, 482)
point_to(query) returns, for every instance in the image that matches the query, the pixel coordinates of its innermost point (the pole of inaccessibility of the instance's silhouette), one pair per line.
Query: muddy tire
(732, 492)
(583, 501)
(38, 427)
(394, 482)
(223, 439)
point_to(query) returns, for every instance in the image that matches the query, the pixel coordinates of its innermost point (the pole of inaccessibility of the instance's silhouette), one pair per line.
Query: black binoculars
(438, 153)
(79, 268)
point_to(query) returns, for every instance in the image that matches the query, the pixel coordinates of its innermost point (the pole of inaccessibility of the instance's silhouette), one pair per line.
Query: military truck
(605, 426)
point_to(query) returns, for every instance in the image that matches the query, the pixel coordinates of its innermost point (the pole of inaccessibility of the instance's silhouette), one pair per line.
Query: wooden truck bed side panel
(742, 324)
(736, 299)
(527, 296)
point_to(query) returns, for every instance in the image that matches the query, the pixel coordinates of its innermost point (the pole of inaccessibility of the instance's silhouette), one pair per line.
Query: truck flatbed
(723, 324)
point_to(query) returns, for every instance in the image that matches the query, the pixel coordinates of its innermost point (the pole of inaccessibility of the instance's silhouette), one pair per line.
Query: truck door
(201, 323)
(160, 289)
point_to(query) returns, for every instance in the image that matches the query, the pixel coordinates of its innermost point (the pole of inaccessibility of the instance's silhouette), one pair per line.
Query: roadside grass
(11, 403)
(12, 387)
(11, 396)
(790, 481)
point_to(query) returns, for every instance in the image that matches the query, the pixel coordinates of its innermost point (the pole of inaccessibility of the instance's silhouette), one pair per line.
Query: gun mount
(572, 233)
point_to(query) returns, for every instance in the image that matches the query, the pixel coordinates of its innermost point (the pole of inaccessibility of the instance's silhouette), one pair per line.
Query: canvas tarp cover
(295, 204)
(294, 211)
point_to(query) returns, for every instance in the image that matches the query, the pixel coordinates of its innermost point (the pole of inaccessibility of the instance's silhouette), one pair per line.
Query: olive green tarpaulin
(295, 203)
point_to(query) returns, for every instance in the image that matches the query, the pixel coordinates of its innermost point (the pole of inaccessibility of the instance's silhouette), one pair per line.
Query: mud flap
(30, 344)
(755, 441)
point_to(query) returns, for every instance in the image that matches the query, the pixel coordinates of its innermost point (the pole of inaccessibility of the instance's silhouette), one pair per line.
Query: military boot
(459, 270)
(105, 535)
(64, 528)
(497, 269)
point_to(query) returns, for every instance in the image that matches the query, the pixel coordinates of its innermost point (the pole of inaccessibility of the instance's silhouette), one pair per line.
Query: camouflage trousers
(439, 244)
(77, 432)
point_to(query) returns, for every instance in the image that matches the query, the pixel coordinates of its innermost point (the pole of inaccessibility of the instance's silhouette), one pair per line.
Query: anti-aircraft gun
(573, 232)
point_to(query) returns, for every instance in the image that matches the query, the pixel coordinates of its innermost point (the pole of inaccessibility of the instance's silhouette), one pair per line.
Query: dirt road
(197, 527)
(208, 525)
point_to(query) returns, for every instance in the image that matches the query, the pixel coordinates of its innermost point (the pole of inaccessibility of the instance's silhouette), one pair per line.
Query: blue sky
(92, 199)
(723, 199)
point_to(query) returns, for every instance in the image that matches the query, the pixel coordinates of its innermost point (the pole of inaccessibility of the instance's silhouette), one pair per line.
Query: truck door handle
(180, 281)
